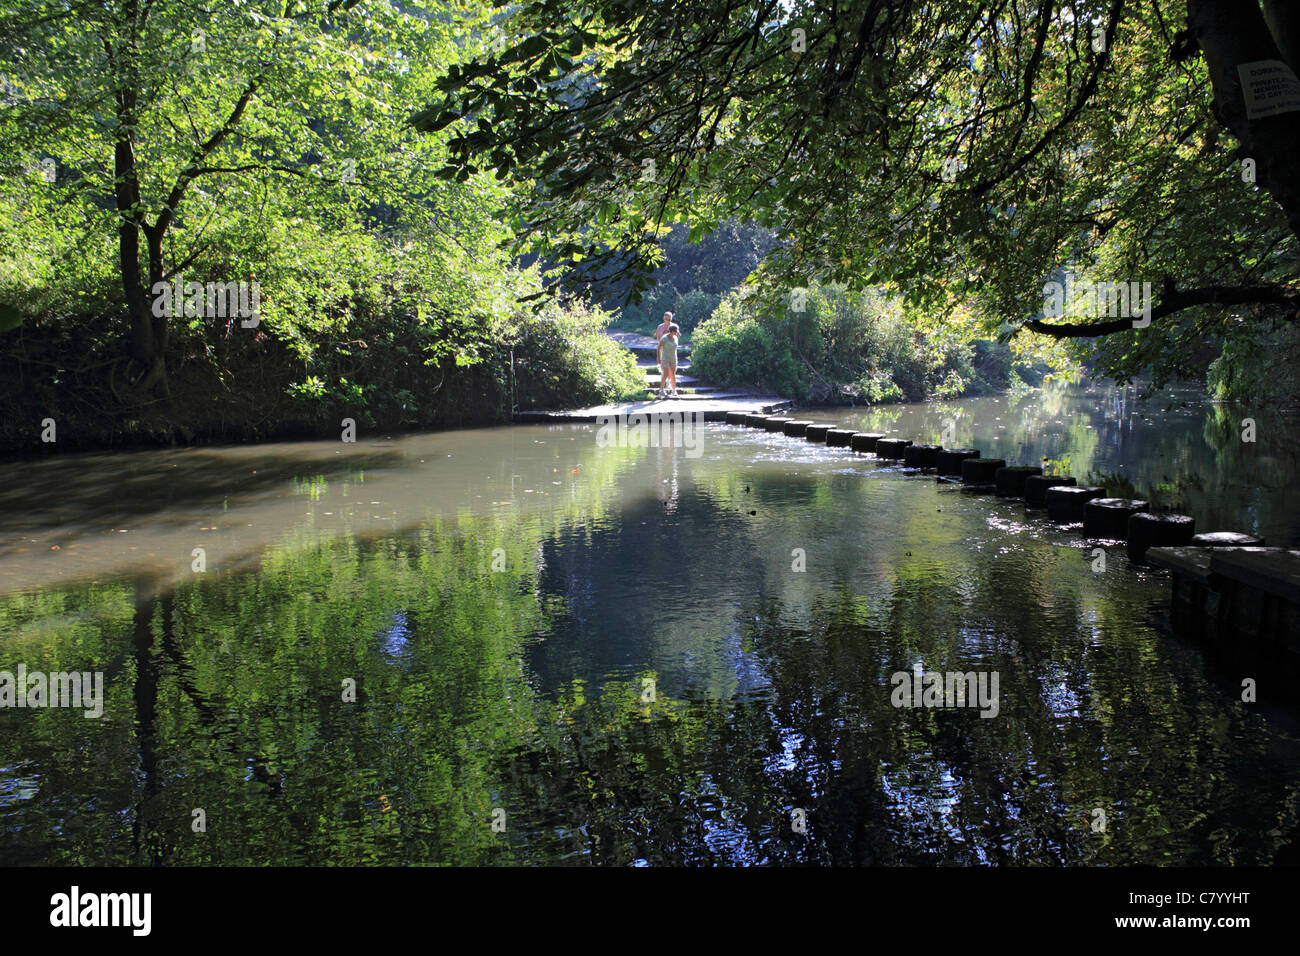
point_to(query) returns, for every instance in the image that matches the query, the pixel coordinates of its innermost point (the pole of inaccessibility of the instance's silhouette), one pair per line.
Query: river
(519, 645)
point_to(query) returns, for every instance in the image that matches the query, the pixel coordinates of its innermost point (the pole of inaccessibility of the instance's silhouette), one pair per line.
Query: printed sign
(1269, 87)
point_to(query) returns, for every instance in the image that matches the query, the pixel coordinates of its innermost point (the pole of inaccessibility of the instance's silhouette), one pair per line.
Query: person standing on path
(667, 354)
(660, 332)
(663, 326)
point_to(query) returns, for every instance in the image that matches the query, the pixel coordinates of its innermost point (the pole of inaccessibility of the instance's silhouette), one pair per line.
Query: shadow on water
(103, 491)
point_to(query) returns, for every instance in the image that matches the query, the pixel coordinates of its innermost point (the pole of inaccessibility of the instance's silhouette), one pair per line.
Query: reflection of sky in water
(394, 642)
(1056, 693)
(751, 678)
(15, 788)
(922, 797)
(723, 832)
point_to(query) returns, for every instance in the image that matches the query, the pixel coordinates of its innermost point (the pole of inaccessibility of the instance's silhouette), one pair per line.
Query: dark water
(646, 678)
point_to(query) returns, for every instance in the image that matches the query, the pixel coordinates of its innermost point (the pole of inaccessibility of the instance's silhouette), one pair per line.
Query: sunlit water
(571, 653)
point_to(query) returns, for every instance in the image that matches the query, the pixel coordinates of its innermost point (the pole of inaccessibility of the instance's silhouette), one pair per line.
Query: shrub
(843, 347)
(563, 360)
(733, 349)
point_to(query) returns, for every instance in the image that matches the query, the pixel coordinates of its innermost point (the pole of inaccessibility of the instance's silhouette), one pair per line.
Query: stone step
(949, 460)
(1146, 531)
(656, 378)
(688, 390)
(891, 449)
(1108, 517)
(1011, 481)
(864, 441)
(709, 396)
(980, 471)
(921, 456)
(1036, 488)
(1066, 503)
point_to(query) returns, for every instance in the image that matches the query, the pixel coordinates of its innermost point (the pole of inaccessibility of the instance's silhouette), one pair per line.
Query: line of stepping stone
(1122, 519)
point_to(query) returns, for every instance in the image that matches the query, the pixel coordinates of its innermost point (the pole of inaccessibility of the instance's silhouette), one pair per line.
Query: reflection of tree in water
(1089, 719)
(224, 695)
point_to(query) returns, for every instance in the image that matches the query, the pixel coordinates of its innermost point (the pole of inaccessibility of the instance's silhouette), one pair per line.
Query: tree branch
(1174, 300)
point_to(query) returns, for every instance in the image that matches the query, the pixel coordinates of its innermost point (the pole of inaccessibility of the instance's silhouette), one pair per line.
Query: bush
(564, 360)
(844, 347)
(732, 349)
(382, 364)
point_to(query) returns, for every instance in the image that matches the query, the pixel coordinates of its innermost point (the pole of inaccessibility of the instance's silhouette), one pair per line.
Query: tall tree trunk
(148, 334)
(138, 306)
(1232, 32)
(126, 191)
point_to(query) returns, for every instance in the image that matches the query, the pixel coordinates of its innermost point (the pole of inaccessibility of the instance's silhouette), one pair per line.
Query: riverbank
(67, 387)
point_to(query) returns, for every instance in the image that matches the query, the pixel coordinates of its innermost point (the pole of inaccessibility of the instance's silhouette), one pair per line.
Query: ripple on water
(16, 787)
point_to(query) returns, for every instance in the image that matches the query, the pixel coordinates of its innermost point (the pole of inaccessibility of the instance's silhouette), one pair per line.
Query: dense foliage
(692, 277)
(265, 147)
(854, 347)
(960, 153)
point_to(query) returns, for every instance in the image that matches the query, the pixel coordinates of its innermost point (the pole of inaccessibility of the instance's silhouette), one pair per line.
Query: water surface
(568, 653)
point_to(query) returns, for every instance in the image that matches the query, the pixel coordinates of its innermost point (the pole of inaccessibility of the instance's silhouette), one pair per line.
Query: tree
(167, 122)
(963, 152)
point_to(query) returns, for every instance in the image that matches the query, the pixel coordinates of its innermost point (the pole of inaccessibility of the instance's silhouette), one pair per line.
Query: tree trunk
(148, 334)
(127, 191)
(1231, 32)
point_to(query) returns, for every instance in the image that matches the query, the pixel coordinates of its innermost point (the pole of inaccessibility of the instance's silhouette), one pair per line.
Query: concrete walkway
(713, 408)
(698, 397)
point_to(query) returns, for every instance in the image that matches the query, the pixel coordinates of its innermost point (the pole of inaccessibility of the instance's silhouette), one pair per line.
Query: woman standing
(660, 332)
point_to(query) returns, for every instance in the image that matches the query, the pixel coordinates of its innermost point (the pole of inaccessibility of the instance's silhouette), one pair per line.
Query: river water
(523, 645)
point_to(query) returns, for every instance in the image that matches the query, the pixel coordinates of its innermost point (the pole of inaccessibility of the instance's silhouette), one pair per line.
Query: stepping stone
(1066, 502)
(816, 432)
(980, 471)
(755, 421)
(920, 456)
(980, 488)
(795, 428)
(1108, 517)
(1011, 481)
(838, 437)
(1225, 539)
(736, 418)
(1036, 488)
(1146, 530)
(864, 441)
(776, 423)
(891, 448)
(949, 459)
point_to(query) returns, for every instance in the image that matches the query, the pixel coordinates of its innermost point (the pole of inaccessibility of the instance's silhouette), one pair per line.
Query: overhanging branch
(1175, 300)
